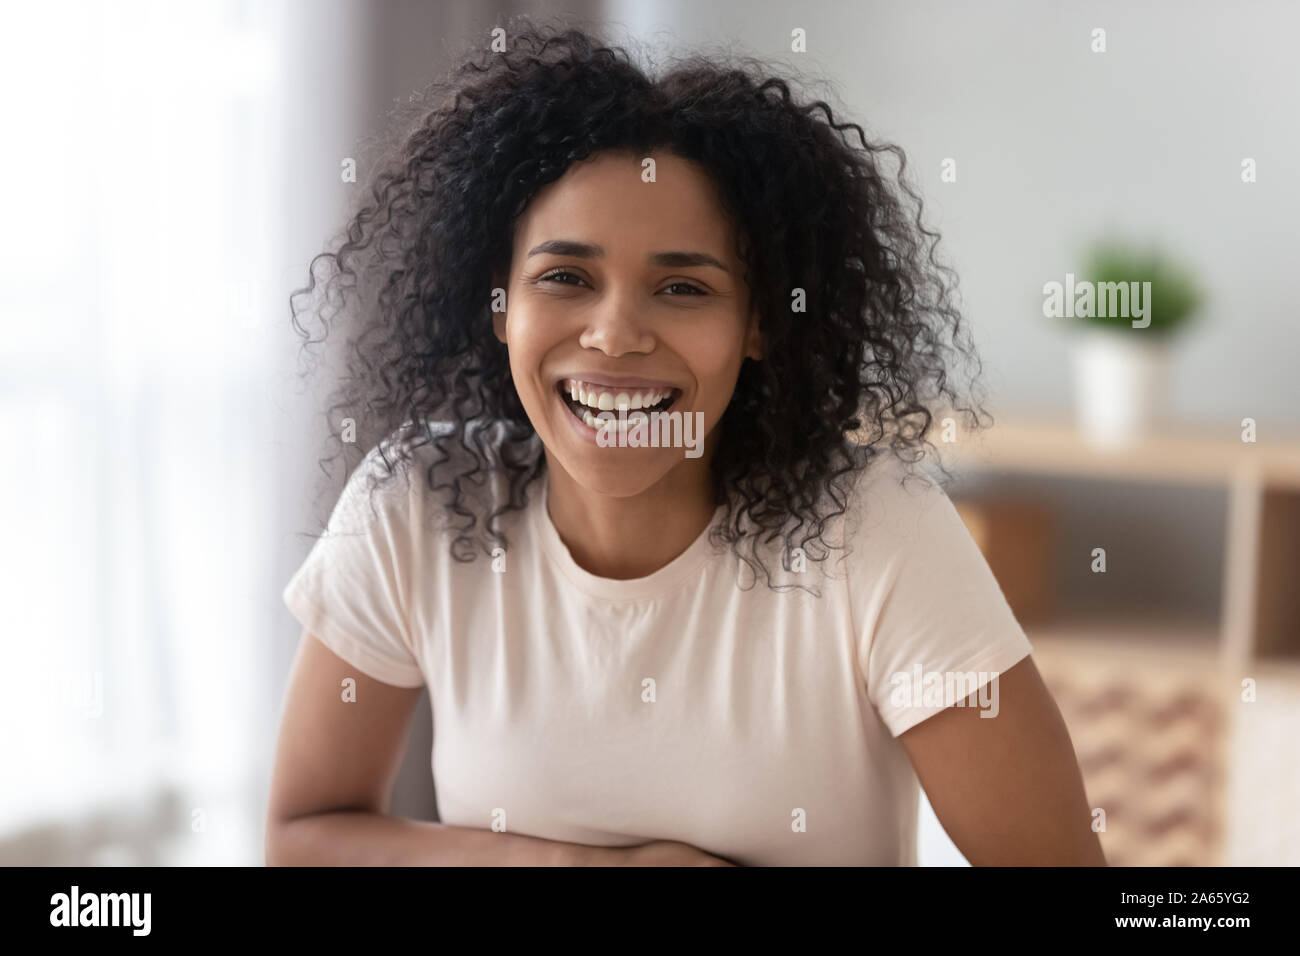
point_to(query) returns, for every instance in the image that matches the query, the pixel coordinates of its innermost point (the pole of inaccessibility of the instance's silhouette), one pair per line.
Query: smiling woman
(612, 687)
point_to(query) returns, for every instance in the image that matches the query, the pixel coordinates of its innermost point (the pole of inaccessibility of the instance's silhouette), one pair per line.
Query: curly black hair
(864, 368)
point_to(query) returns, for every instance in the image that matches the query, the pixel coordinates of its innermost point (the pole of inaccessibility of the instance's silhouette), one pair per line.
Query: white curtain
(140, 322)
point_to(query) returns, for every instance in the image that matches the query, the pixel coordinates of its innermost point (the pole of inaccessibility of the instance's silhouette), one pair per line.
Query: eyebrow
(587, 250)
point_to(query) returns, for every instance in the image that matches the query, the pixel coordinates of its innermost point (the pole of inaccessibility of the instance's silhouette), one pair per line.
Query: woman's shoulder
(891, 499)
(444, 473)
(866, 515)
(884, 472)
(436, 490)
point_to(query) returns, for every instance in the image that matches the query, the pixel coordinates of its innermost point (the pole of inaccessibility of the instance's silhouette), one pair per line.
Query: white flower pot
(1121, 385)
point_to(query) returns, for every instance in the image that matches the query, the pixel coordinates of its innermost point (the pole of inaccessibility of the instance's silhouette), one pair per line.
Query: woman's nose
(618, 324)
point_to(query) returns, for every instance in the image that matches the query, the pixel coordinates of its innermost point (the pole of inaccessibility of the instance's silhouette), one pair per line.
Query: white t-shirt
(757, 725)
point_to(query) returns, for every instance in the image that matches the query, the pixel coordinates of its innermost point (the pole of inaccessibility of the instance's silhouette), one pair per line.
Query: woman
(644, 364)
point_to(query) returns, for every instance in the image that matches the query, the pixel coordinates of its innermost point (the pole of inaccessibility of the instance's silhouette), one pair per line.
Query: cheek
(714, 353)
(525, 339)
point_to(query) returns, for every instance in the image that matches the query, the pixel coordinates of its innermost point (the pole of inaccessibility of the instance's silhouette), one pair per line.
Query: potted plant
(1130, 305)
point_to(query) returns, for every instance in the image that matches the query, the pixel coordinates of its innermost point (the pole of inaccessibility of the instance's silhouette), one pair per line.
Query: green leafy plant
(1176, 296)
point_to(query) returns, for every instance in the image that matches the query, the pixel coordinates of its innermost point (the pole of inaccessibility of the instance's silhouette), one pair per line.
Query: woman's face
(633, 289)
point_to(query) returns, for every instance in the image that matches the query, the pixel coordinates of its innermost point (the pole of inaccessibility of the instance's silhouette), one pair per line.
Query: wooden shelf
(1197, 456)
(1175, 455)
(1126, 635)
(1260, 608)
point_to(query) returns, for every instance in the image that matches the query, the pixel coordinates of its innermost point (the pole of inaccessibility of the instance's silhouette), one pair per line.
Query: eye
(555, 276)
(691, 289)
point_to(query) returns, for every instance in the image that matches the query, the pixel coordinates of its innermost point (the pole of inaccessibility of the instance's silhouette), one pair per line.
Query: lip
(580, 428)
(616, 381)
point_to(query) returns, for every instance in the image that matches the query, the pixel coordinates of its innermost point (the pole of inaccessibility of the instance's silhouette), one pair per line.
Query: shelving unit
(1153, 696)
(1260, 608)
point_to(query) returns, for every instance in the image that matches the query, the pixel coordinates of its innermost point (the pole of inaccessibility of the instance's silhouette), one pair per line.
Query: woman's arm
(335, 765)
(367, 838)
(1007, 789)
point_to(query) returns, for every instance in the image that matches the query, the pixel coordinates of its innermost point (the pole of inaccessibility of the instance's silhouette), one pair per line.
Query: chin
(616, 472)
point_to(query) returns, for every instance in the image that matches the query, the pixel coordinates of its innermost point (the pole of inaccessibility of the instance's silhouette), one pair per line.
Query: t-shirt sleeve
(352, 592)
(933, 624)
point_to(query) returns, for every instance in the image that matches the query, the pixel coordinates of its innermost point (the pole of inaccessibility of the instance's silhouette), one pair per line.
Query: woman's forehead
(620, 201)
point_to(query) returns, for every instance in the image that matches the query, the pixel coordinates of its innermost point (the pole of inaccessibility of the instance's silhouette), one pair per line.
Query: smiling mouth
(586, 403)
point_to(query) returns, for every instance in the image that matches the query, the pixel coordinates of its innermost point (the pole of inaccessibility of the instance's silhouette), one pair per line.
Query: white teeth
(599, 423)
(598, 399)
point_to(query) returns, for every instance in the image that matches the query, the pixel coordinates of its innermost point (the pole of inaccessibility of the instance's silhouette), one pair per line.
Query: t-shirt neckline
(657, 584)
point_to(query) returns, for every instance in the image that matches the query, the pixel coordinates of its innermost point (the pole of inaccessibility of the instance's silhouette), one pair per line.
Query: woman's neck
(631, 537)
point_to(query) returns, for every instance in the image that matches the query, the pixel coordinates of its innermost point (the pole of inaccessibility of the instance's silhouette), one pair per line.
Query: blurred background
(175, 167)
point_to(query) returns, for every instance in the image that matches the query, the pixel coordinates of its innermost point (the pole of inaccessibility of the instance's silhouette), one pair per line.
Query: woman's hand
(666, 853)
